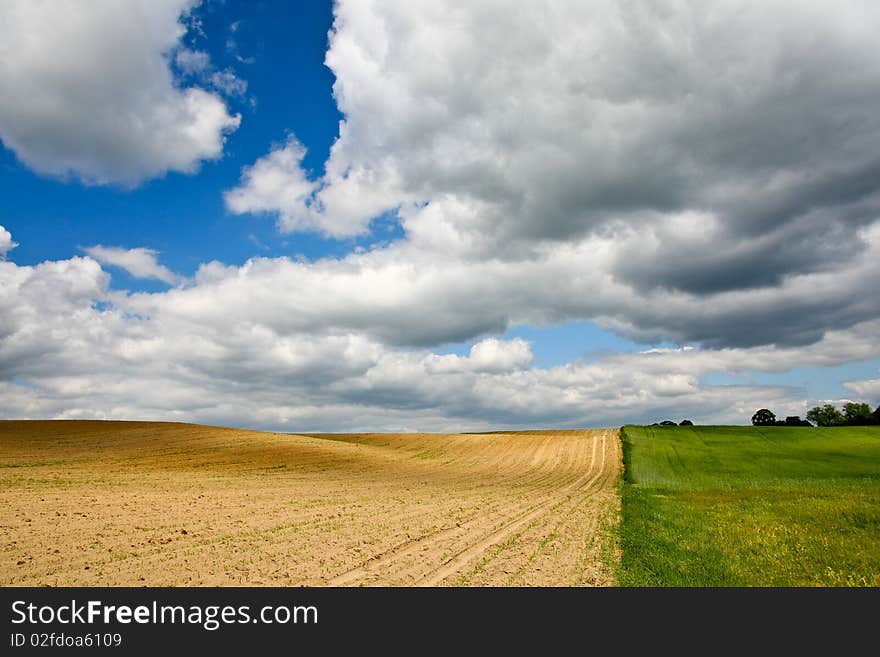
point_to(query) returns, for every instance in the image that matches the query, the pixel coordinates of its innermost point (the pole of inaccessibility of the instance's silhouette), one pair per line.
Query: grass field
(750, 506)
(133, 503)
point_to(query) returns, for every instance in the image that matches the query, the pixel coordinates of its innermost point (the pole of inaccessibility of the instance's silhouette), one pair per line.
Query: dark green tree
(764, 418)
(825, 416)
(857, 414)
(685, 423)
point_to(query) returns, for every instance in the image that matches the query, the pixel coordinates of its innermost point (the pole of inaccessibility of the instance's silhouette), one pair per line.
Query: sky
(388, 215)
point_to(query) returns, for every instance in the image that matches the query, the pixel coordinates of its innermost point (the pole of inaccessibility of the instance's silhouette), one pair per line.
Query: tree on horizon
(764, 417)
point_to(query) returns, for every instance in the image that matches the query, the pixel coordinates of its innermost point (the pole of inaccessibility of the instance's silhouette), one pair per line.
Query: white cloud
(6, 243)
(404, 295)
(277, 344)
(563, 117)
(197, 63)
(492, 356)
(276, 183)
(87, 91)
(228, 83)
(140, 262)
(867, 389)
(192, 62)
(670, 171)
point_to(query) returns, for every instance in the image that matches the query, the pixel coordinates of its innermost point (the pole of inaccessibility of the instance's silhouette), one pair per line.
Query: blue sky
(180, 215)
(493, 217)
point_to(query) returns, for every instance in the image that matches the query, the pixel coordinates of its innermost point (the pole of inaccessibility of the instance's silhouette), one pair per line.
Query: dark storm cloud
(726, 260)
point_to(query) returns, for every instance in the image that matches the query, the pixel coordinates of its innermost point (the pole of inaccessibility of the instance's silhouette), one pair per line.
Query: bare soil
(164, 504)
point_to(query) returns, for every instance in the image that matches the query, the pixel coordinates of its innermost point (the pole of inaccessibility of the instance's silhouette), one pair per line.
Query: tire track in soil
(573, 501)
(412, 547)
(590, 530)
(461, 560)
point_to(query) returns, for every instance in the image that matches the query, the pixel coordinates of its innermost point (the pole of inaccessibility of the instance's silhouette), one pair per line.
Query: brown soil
(165, 504)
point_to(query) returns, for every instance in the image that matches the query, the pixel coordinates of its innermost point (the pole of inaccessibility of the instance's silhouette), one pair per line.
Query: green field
(751, 506)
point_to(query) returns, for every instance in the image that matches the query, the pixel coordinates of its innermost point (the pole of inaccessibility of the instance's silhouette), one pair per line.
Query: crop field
(751, 506)
(133, 503)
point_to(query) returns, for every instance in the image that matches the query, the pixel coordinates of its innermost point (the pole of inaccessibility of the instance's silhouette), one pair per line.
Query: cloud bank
(229, 348)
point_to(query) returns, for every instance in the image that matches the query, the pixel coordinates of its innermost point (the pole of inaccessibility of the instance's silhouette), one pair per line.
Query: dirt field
(126, 503)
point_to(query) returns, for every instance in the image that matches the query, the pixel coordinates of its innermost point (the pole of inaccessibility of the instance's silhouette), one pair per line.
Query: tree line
(854, 414)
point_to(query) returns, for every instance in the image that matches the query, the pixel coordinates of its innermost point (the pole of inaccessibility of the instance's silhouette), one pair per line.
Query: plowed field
(135, 503)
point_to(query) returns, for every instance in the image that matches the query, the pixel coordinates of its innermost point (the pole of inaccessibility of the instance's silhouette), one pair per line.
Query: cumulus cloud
(491, 355)
(714, 164)
(565, 116)
(276, 183)
(87, 91)
(140, 262)
(6, 243)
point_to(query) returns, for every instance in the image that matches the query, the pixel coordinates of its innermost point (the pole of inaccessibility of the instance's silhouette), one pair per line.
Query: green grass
(750, 506)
